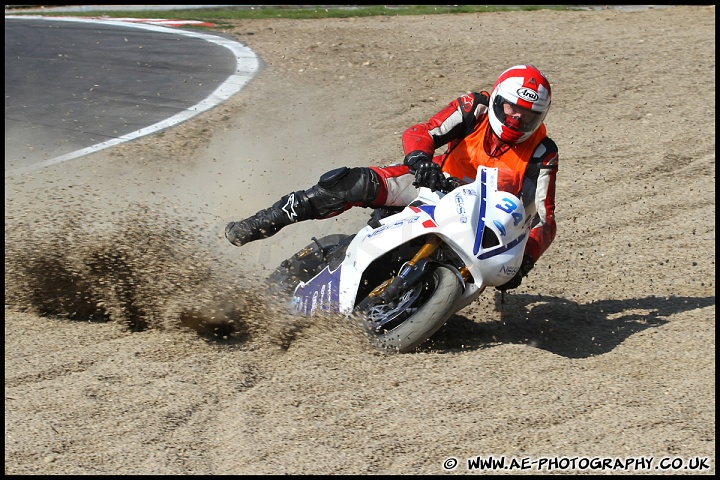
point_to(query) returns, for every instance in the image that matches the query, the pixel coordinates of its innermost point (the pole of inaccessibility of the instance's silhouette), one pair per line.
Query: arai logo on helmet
(528, 94)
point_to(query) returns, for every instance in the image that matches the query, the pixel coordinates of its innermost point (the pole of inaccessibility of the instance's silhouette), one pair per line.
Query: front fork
(412, 271)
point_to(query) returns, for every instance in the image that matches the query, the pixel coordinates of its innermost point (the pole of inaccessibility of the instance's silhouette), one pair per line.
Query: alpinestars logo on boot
(289, 207)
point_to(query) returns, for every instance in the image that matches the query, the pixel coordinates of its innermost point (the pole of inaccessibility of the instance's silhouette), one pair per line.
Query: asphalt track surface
(76, 86)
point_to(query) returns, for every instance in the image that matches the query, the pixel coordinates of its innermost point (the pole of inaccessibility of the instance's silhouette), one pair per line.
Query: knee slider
(329, 179)
(342, 186)
(353, 185)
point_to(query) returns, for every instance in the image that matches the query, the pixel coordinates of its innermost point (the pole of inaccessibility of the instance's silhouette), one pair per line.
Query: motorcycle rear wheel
(415, 315)
(308, 262)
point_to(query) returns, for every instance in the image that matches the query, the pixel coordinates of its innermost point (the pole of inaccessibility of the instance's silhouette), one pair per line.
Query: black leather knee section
(353, 185)
(362, 186)
(343, 187)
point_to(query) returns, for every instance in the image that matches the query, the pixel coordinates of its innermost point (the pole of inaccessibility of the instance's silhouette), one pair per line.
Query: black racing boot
(266, 223)
(335, 192)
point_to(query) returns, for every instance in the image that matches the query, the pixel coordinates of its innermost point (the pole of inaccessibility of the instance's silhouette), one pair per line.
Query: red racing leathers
(463, 126)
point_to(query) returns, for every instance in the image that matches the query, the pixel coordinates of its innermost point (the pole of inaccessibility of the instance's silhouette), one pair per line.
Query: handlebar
(451, 184)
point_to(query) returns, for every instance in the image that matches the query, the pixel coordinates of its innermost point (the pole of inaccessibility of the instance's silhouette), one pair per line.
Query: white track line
(246, 67)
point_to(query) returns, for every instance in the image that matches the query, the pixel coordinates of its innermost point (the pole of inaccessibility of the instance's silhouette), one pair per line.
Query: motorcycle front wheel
(408, 320)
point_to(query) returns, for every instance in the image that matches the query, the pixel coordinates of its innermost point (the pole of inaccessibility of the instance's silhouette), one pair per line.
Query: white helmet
(519, 101)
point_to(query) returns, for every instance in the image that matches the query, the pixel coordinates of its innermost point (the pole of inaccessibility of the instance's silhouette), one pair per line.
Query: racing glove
(427, 173)
(527, 264)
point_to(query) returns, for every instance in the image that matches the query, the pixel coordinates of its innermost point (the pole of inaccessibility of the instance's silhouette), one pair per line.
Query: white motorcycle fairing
(486, 228)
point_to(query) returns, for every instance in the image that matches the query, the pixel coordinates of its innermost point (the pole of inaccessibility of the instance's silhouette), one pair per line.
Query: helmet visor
(516, 117)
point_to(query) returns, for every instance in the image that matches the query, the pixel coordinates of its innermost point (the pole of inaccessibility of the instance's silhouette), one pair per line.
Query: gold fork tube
(426, 250)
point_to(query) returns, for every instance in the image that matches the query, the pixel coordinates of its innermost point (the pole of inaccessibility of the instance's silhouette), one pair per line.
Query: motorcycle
(410, 269)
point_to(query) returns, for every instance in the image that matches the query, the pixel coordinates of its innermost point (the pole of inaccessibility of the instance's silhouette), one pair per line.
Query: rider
(501, 128)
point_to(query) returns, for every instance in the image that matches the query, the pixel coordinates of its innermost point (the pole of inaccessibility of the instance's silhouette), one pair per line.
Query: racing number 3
(509, 207)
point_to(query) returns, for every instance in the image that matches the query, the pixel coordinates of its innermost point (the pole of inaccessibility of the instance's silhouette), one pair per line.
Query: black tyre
(415, 315)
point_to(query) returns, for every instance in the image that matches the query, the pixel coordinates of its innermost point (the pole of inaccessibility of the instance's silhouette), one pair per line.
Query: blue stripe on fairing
(481, 215)
(429, 209)
(498, 251)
